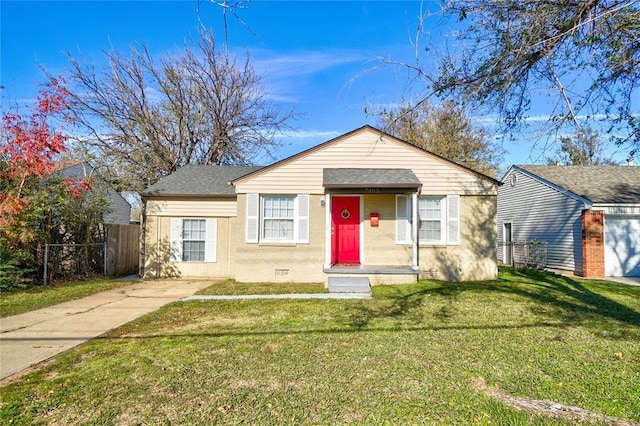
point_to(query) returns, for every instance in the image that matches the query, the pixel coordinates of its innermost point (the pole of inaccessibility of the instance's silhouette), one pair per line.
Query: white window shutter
(253, 215)
(453, 219)
(303, 218)
(403, 215)
(175, 248)
(211, 241)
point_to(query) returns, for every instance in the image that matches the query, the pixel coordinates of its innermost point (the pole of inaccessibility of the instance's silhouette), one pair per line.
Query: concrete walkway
(35, 336)
(625, 280)
(281, 296)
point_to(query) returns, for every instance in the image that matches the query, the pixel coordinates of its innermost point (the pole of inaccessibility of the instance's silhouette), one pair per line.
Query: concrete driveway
(35, 336)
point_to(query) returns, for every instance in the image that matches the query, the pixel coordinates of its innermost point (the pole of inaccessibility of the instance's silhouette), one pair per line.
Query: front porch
(360, 278)
(369, 230)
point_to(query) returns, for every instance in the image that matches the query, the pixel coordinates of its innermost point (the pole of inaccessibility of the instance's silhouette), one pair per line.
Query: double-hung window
(431, 213)
(193, 240)
(277, 218)
(438, 219)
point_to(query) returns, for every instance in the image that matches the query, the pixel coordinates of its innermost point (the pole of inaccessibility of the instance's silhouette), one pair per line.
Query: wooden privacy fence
(122, 249)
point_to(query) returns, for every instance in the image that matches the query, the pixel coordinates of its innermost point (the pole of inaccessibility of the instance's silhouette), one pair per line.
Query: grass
(412, 355)
(24, 300)
(232, 287)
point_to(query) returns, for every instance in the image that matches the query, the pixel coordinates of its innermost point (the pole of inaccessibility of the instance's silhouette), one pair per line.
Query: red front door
(345, 230)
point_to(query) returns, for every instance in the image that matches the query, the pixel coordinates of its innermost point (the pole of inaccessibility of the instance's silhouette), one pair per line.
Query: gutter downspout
(414, 231)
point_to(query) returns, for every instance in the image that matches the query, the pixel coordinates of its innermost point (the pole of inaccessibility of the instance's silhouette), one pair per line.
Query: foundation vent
(281, 272)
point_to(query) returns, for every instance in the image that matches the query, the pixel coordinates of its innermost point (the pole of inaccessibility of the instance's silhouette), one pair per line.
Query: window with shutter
(193, 240)
(277, 218)
(439, 220)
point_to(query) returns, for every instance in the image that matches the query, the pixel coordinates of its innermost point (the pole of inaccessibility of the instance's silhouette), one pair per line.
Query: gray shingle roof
(370, 178)
(599, 184)
(199, 180)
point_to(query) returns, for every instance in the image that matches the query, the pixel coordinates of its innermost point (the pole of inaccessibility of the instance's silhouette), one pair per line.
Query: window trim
(443, 220)
(450, 220)
(183, 240)
(263, 218)
(176, 236)
(254, 221)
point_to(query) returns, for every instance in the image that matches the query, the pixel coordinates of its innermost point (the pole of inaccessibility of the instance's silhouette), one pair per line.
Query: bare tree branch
(148, 117)
(584, 53)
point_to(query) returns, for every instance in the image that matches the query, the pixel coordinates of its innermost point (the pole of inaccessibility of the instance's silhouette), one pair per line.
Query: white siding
(193, 207)
(365, 149)
(537, 211)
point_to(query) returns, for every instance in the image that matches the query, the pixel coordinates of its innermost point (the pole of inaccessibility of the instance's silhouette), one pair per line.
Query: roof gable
(379, 137)
(598, 184)
(365, 149)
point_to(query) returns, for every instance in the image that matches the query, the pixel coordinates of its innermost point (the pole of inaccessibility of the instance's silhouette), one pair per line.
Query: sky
(321, 58)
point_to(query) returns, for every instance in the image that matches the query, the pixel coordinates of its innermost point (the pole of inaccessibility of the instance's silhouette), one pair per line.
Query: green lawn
(235, 288)
(416, 354)
(24, 300)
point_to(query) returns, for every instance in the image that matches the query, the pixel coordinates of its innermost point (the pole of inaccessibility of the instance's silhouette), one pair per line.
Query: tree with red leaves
(29, 148)
(35, 204)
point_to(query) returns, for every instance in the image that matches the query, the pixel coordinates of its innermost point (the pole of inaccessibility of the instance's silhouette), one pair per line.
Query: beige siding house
(364, 205)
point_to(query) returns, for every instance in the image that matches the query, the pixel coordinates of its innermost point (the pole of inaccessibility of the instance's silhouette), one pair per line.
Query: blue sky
(320, 57)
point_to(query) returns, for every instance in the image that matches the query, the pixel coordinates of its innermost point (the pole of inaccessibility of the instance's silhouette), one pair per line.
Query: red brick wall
(592, 244)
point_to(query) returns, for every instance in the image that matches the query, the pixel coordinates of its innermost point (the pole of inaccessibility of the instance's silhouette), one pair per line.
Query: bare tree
(585, 148)
(445, 130)
(148, 117)
(583, 56)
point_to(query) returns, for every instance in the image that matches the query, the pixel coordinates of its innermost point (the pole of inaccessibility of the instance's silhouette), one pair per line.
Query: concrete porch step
(349, 285)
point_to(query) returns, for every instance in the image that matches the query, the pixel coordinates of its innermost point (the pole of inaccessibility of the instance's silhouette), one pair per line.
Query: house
(588, 215)
(342, 209)
(117, 210)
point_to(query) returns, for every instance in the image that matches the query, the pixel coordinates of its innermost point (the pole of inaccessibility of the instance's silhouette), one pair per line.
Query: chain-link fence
(72, 261)
(528, 254)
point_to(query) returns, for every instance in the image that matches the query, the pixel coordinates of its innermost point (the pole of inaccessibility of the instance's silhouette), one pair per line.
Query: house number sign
(345, 214)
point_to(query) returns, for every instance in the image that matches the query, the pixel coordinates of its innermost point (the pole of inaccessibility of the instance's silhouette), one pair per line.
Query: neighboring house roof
(368, 178)
(199, 180)
(75, 171)
(351, 133)
(599, 184)
(118, 209)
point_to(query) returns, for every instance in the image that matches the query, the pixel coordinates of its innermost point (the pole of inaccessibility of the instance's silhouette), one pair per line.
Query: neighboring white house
(118, 210)
(588, 215)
